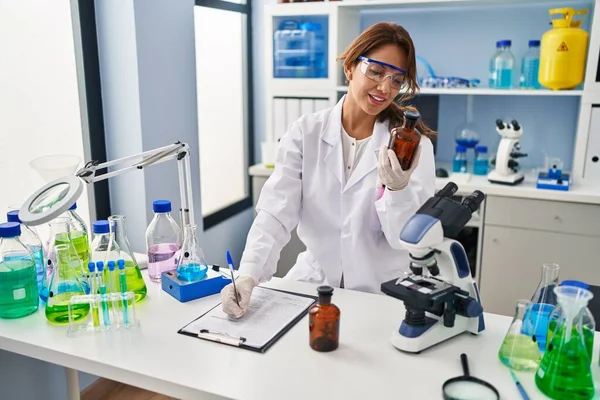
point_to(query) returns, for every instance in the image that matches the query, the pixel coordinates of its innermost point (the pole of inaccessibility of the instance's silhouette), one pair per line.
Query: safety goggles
(378, 71)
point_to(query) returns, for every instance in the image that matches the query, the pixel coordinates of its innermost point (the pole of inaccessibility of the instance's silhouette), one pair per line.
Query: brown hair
(381, 34)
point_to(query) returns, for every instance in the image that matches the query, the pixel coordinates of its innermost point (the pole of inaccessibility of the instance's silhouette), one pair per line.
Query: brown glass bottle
(324, 322)
(405, 139)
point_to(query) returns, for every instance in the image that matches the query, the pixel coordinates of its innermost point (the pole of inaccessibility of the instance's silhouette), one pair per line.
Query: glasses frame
(365, 63)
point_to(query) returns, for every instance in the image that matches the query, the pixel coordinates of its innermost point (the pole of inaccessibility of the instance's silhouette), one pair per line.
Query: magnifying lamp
(54, 198)
(467, 387)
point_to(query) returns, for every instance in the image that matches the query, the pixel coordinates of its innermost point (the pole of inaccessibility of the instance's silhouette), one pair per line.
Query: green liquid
(588, 337)
(95, 316)
(19, 295)
(58, 313)
(565, 372)
(81, 244)
(135, 281)
(520, 352)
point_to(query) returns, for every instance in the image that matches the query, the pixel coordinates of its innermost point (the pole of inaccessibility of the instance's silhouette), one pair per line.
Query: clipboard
(240, 341)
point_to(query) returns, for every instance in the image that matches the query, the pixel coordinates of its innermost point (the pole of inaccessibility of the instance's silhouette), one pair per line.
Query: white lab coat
(343, 225)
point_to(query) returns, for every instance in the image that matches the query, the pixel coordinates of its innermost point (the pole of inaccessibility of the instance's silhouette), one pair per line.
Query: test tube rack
(107, 312)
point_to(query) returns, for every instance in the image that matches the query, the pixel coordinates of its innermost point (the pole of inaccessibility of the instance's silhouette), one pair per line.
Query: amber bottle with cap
(405, 139)
(324, 322)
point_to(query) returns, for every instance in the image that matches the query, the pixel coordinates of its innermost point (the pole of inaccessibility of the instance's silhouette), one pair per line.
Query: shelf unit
(344, 25)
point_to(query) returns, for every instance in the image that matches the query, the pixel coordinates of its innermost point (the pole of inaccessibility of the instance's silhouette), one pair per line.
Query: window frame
(227, 212)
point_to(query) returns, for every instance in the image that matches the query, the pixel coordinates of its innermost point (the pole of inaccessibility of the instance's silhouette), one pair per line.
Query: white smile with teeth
(378, 98)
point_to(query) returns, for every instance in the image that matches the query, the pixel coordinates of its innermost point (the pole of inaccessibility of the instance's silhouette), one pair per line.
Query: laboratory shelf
(387, 4)
(492, 92)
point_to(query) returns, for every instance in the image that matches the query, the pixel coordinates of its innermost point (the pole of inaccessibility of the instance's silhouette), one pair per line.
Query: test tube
(111, 283)
(123, 287)
(102, 291)
(93, 288)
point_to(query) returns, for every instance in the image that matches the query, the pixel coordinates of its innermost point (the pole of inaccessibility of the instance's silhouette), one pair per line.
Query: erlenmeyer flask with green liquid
(64, 284)
(135, 281)
(61, 232)
(565, 371)
(519, 350)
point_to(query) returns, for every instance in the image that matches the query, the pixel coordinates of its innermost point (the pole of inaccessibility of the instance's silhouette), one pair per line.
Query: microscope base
(511, 179)
(436, 334)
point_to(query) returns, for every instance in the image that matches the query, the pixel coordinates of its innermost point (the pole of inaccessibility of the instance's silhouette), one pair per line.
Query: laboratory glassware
(135, 281)
(78, 234)
(192, 264)
(65, 283)
(104, 247)
(31, 239)
(324, 322)
(544, 301)
(530, 66)
(502, 65)
(467, 386)
(19, 295)
(459, 163)
(405, 139)
(51, 167)
(565, 371)
(481, 162)
(61, 233)
(163, 241)
(519, 349)
(466, 133)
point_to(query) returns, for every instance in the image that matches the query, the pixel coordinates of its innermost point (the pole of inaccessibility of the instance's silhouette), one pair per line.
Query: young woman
(326, 177)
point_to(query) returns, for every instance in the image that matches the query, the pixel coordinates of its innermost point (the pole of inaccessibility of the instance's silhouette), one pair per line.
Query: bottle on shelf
(502, 65)
(530, 66)
(459, 164)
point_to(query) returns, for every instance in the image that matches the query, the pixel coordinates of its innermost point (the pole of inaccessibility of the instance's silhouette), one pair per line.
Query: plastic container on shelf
(300, 49)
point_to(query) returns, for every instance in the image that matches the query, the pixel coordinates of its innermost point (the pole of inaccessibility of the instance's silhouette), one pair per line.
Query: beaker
(519, 350)
(61, 233)
(64, 284)
(565, 371)
(192, 265)
(133, 276)
(544, 301)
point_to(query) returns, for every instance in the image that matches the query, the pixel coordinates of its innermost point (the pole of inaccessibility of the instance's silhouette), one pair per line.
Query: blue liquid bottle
(502, 65)
(480, 165)
(530, 66)
(459, 164)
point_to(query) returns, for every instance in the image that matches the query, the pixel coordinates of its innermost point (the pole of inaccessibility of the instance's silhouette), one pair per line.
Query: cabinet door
(512, 260)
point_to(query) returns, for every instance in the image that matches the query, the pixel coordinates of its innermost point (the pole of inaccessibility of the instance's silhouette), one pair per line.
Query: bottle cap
(100, 227)
(121, 264)
(111, 265)
(503, 43)
(100, 266)
(325, 290)
(412, 115)
(161, 206)
(460, 148)
(534, 43)
(13, 216)
(73, 207)
(91, 266)
(10, 229)
(578, 284)
(481, 149)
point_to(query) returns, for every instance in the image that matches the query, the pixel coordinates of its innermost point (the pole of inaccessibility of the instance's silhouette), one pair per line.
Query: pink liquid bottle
(163, 241)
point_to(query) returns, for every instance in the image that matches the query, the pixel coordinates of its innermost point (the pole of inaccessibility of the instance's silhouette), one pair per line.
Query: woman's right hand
(245, 284)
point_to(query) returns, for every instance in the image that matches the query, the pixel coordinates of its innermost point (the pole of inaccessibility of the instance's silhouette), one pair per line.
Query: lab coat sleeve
(278, 209)
(394, 208)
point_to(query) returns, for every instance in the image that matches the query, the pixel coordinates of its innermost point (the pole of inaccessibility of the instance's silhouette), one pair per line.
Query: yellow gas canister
(563, 51)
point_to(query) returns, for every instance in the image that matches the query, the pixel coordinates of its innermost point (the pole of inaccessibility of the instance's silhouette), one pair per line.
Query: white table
(365, 366)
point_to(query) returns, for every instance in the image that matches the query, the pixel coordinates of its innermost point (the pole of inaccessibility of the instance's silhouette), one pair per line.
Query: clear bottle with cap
(481, 162)
(104, 247)
(31, 239)
(19, 295)
(163, 241)
(530, 67)
(405, 139)
(502, 65)
(324, 322)
(135, 281)
(459, 163)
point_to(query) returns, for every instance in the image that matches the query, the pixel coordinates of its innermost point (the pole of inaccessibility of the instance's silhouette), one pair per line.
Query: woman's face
(373, 85)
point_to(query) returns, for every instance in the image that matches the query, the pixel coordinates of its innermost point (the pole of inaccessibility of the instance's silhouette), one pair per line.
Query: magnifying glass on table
(468, 387)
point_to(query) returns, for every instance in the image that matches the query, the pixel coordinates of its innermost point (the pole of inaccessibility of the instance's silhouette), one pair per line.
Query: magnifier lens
(48, 198)
(469, 390)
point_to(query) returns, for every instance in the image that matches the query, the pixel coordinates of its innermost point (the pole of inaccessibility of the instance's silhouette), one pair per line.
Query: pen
(519, 386)
(230, 263)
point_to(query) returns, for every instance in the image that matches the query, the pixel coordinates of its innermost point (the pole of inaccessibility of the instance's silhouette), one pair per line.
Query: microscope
(439, 294)
(507, 168)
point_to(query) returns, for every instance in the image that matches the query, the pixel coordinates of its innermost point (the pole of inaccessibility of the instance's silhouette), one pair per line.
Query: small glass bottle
(459, 164)
(481, 163)
(519, 350)
(502, 65)
(324, 322)
(404, 140)
(163, 241)
(192, 265)
(19, 295)
(530, 66)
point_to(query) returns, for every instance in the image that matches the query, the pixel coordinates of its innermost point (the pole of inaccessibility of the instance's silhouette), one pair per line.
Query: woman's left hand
(391, 173)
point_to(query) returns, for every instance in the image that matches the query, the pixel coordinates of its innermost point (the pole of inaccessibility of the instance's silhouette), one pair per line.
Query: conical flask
(133, 275)
(192, 264)
(544, 301)
(78, 234)
(64, 284)
(61, 233)
(565, 371)
(519, 350)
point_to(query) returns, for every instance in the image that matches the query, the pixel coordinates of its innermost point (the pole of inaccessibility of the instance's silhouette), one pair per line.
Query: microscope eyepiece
(500, 124)
(473, 200)
(448, 190)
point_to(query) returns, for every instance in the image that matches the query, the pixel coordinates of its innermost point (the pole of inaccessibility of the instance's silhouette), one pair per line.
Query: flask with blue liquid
(530, 66)
(480, 165)
(459, 164)
(502, 65)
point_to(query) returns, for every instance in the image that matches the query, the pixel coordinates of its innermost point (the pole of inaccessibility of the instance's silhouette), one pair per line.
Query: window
(224, 87)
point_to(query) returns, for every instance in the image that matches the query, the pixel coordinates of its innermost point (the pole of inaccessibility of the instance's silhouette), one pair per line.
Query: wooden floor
(105, 389)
